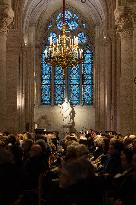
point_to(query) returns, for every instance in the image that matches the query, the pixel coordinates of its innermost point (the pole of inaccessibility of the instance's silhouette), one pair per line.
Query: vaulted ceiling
(97, 10)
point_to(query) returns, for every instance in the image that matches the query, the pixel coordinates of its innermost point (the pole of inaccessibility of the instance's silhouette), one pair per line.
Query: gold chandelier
(65, 52)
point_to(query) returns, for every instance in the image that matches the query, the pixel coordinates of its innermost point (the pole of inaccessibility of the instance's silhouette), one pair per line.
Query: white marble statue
(66, 111)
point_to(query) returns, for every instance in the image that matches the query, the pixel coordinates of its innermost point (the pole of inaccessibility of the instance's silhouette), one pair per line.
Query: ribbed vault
(97, 10)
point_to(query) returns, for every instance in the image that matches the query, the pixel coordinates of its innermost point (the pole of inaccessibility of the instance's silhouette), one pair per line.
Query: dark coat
(87, 191)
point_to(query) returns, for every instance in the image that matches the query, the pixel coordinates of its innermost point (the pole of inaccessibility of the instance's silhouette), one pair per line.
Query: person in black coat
(112, 164)
(9, 178)
(126, 182)
(77, 185)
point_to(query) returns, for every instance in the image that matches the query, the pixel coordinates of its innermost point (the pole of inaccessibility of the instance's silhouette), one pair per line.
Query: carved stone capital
(124, 22)
(6, 17)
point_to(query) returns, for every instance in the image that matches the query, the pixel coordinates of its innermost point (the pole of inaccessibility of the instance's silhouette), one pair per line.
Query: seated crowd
(79, 169)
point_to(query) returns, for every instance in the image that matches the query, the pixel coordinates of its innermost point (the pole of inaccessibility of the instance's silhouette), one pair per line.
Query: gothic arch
(96, 10)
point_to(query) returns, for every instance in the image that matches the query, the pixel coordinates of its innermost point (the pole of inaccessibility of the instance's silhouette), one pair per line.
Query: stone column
(123, 17)
(99, 81)
(114, 80)
(118, 73)
(134, 73)
(29, 89)
(25, 90)
(6, 18)
(108, 79)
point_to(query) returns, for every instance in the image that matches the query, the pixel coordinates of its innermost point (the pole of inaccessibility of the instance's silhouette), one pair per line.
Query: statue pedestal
(67, 127)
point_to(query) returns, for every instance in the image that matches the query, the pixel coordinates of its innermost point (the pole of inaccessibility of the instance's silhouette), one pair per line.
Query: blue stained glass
(87, 77)
(87, 82)
(58, 94)
(74, 94)
(59, 16)
(82, 37)
(58, 73)
(87, 95)
(74, 85)
(87, 69)
(75, 16)
(59, 86)
(59, 25)
(46, 77)
(50, 25)
(46, 69)
(72, 25)
(68, 15)
(74, 73)
(58, 82)
(54, 37)
(70, 20)
(46, 97)
(75, 81)
(87, 98)
(46, 82)
(88, 57)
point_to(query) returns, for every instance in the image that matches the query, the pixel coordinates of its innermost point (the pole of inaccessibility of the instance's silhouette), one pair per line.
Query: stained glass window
(82, 38)
(59, 86)
(87, 78)
(54, 37)
(74, 85)
(46, 83)
(77, 83)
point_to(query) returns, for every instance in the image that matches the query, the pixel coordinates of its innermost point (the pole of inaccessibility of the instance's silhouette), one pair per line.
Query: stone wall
(50, 117)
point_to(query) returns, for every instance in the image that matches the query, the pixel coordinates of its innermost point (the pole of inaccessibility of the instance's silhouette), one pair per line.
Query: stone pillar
(6, 18)
(29, 89)
(26, 89)
(108, 79)
(118, 73)
(99, 81)
(114, 80)
(123, 17)
(134, 73)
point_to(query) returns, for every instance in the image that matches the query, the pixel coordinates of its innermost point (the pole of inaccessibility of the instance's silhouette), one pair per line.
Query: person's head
(115, 147)
(126, 158)
(12, 139)
(26, 145)
(6, 157)
(75, 171)
(82, 150)
(105, 144)
(98, 141)
(71, 152)
(35, 150)
(43, 145)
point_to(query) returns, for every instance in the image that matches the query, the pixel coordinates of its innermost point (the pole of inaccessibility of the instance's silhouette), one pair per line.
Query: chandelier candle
(65, 52)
